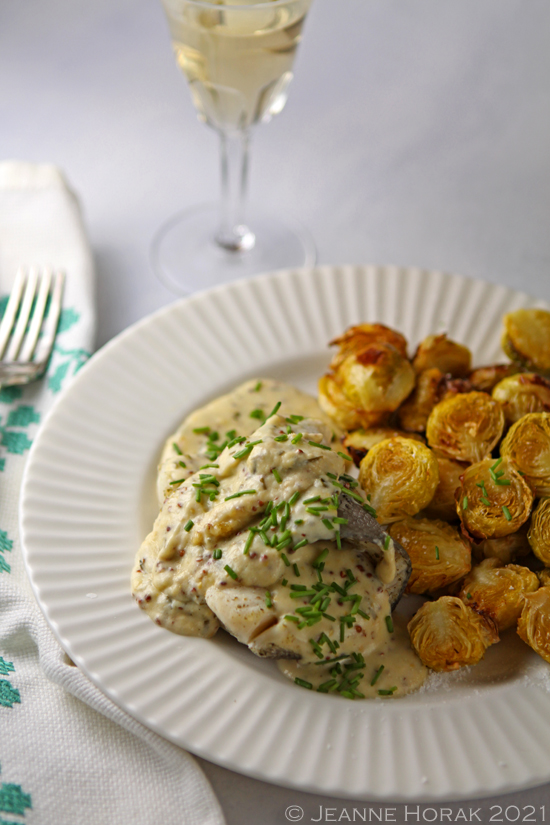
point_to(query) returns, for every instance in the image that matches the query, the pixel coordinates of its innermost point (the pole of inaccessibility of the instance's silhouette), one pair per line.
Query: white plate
(88, 500)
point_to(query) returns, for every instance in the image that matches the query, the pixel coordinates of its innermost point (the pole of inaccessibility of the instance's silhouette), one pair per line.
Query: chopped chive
(298, 437)
(318, 444)
(327, 686)
(241, 493)
(320, 558)
(217, 554)
(364, 615)
(205, 466)
(388, 692)
(285, 560)
(295, 419)
(247, 450)
(377, 675)
(258, 387)
(507, 513)
(469, 595)
(276, 474)
(296, 570)
(281, 438)
(344, 456)
(177, 481)
(259, 414)
(291, 618)
(370, 510)
(249, 540)
(437, 553)
(389, 623)
(284, 582)
(274, 410)
(299, 521)
(328, 524)
(293, 498)
(342, 631)
(485, 500)
(202, 430)
(268, 601)
(176, 448)
(465, 503)
(188, 526)
(229, 570)
(312, 500)
(496, 464)
(236, 440)
(301, 543)
(502, 482)
(387, 540)
(303, 683)
(339, 520)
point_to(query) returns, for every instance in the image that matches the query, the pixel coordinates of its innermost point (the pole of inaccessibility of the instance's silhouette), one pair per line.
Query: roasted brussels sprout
(361, 336)
(544, 577)
(506, 549)
(526, 338)
(493, 499)
(465, 426)
(498, 591)
(375, 381)
(438, 553)
(443, 503)
(414, 411)
(359, 442)
(484, 379)
(439, 352)
(527, 445)
(447, 635)
(539, 531)
(400, 475)
(334, 403)
(522, 394)
(534, 622)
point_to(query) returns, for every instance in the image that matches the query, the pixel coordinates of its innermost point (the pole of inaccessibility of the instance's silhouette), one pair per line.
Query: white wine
(236, 56)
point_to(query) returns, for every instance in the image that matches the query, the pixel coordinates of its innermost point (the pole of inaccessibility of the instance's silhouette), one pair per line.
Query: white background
(417, 132)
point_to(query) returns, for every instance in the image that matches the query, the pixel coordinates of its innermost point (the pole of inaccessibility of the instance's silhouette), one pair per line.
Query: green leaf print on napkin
(9, 696)
(13, 800)
(5, 544)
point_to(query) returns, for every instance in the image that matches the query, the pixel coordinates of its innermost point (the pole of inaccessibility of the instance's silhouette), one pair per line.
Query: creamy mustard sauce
(248, 537)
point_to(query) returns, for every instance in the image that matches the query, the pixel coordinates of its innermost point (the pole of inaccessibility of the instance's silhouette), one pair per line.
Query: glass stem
(233, 233)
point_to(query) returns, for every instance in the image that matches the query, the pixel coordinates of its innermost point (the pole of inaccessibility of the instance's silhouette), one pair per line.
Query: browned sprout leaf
(414, 411)
(484, 379)
(493, 500)
(361, 336)
(443, 503)
(440, 352)
(439, 554)
(465, 426)
(534, 622)
(527, 445)
(506, 549)
(448, 635)
(522, 394)
(498, 591)
(526, 338)
(400, 475)
(539, 531)
(359, 442)
(334, 403)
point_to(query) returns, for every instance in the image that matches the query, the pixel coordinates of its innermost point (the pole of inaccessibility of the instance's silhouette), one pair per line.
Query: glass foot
(186, 258)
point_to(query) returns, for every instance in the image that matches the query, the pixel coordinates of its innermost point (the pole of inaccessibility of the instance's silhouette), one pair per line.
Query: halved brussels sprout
(376, 380)
(400, 475)
(484, 379)
(526, 338)
(498, 591)
(447, 635)
(539, 531)
(544, 577)
(440, 352)
(465, 426)
(493, 499)
(358, 337)
(414, 411)
(439, 554)
(443, 503)
(534, 622)
(527, 445)
(334, 403)
(359, 442)
(522, 394)
(506, 549)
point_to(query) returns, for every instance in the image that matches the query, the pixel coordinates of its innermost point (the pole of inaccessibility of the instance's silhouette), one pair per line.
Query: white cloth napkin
(68, 755)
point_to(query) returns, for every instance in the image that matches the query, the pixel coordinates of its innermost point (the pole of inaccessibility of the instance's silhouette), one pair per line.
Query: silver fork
(24, 355)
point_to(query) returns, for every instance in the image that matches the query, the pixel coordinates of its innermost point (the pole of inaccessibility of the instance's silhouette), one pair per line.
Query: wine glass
(237, 58)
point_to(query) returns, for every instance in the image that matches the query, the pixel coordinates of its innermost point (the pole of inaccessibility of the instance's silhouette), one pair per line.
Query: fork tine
(31, 337)
(23, 319)
(11, 309)
(50, 327)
